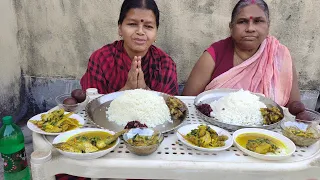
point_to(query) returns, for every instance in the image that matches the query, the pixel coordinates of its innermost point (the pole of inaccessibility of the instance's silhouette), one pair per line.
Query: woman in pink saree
(250, 59)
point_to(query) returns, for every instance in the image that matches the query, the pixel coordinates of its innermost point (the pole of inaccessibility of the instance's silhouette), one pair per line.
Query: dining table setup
(220, 134)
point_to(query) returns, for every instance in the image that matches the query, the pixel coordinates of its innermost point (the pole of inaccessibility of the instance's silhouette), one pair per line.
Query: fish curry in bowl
(260, 143)
(87, 143)
(263, 144)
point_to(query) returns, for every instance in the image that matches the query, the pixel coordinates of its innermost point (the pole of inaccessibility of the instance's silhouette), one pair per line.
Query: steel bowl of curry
(87, 143)
(142, 141)
(263, 144)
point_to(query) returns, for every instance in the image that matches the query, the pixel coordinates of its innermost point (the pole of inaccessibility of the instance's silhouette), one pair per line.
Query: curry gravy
(243, 139)
(92, 134)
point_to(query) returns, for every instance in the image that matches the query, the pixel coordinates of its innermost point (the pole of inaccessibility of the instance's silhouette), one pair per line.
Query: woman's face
(250, 28)
(139, 30)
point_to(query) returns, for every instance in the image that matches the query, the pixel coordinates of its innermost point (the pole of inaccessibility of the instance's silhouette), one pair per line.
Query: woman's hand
(141, 82)
(135, 76)
(132, 81)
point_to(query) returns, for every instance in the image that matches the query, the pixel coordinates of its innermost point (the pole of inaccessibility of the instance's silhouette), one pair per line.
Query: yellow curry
(88, 142)
(206, 137)
(260, 143)
(56, 122)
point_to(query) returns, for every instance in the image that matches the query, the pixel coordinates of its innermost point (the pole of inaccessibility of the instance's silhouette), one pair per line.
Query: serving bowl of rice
(235, 109)
(153, 109)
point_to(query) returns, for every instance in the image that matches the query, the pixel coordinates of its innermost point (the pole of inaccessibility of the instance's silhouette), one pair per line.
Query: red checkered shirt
(69, 177)
(108, 69)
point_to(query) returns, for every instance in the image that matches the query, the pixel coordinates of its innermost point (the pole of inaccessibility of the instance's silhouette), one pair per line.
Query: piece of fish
(103, 143)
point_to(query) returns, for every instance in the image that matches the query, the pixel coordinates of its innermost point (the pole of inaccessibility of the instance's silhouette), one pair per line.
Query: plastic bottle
(92, 93)
(13, 152)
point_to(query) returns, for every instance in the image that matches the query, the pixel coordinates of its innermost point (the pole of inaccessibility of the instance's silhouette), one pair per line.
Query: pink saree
(268, 71)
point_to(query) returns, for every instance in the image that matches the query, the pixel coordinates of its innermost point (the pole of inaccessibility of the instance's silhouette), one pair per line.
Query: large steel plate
(96, 112)
(212, 95)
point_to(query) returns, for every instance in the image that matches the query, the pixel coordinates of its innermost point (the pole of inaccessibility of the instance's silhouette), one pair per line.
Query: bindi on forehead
(251, 17)
(141, 15)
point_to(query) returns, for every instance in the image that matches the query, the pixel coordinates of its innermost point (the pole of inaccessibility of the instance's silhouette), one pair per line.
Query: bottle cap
(92, 91)
(7, 120)
(40, 157)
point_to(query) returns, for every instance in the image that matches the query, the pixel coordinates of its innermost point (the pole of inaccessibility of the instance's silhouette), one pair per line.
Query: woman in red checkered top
(133, 62)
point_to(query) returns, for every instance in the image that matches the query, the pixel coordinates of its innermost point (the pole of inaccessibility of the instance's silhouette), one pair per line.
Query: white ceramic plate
(186, 129)
(273, 157)
(34, 128)
(83, 156)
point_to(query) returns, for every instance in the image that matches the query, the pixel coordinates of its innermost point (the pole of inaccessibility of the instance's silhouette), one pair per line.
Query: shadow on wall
(38, 94)
(12, 98)
(42, 92)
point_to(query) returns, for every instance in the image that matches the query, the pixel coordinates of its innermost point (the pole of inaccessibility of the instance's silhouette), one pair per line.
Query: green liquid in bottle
(13, 152)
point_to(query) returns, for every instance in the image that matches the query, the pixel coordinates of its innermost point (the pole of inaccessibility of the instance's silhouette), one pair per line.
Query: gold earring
(155, 41)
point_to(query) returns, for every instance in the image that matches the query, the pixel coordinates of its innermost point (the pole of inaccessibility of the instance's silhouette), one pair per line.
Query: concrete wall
(10, 67)
(53, 39)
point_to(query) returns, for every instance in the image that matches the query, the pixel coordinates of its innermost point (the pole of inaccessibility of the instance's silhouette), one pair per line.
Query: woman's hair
(138, 4)
(243, 3)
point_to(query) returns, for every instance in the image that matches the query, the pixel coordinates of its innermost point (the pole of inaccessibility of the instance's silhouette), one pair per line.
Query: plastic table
(174, 160)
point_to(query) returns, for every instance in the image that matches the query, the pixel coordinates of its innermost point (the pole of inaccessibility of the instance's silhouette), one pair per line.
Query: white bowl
(184, 130)
(290, 146)
(83, 156)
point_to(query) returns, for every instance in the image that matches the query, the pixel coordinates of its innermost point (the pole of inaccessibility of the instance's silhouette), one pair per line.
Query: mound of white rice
(139, 105)
(238, 108)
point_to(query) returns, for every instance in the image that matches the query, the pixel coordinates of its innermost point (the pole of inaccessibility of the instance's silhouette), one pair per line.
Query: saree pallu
(268, 71)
